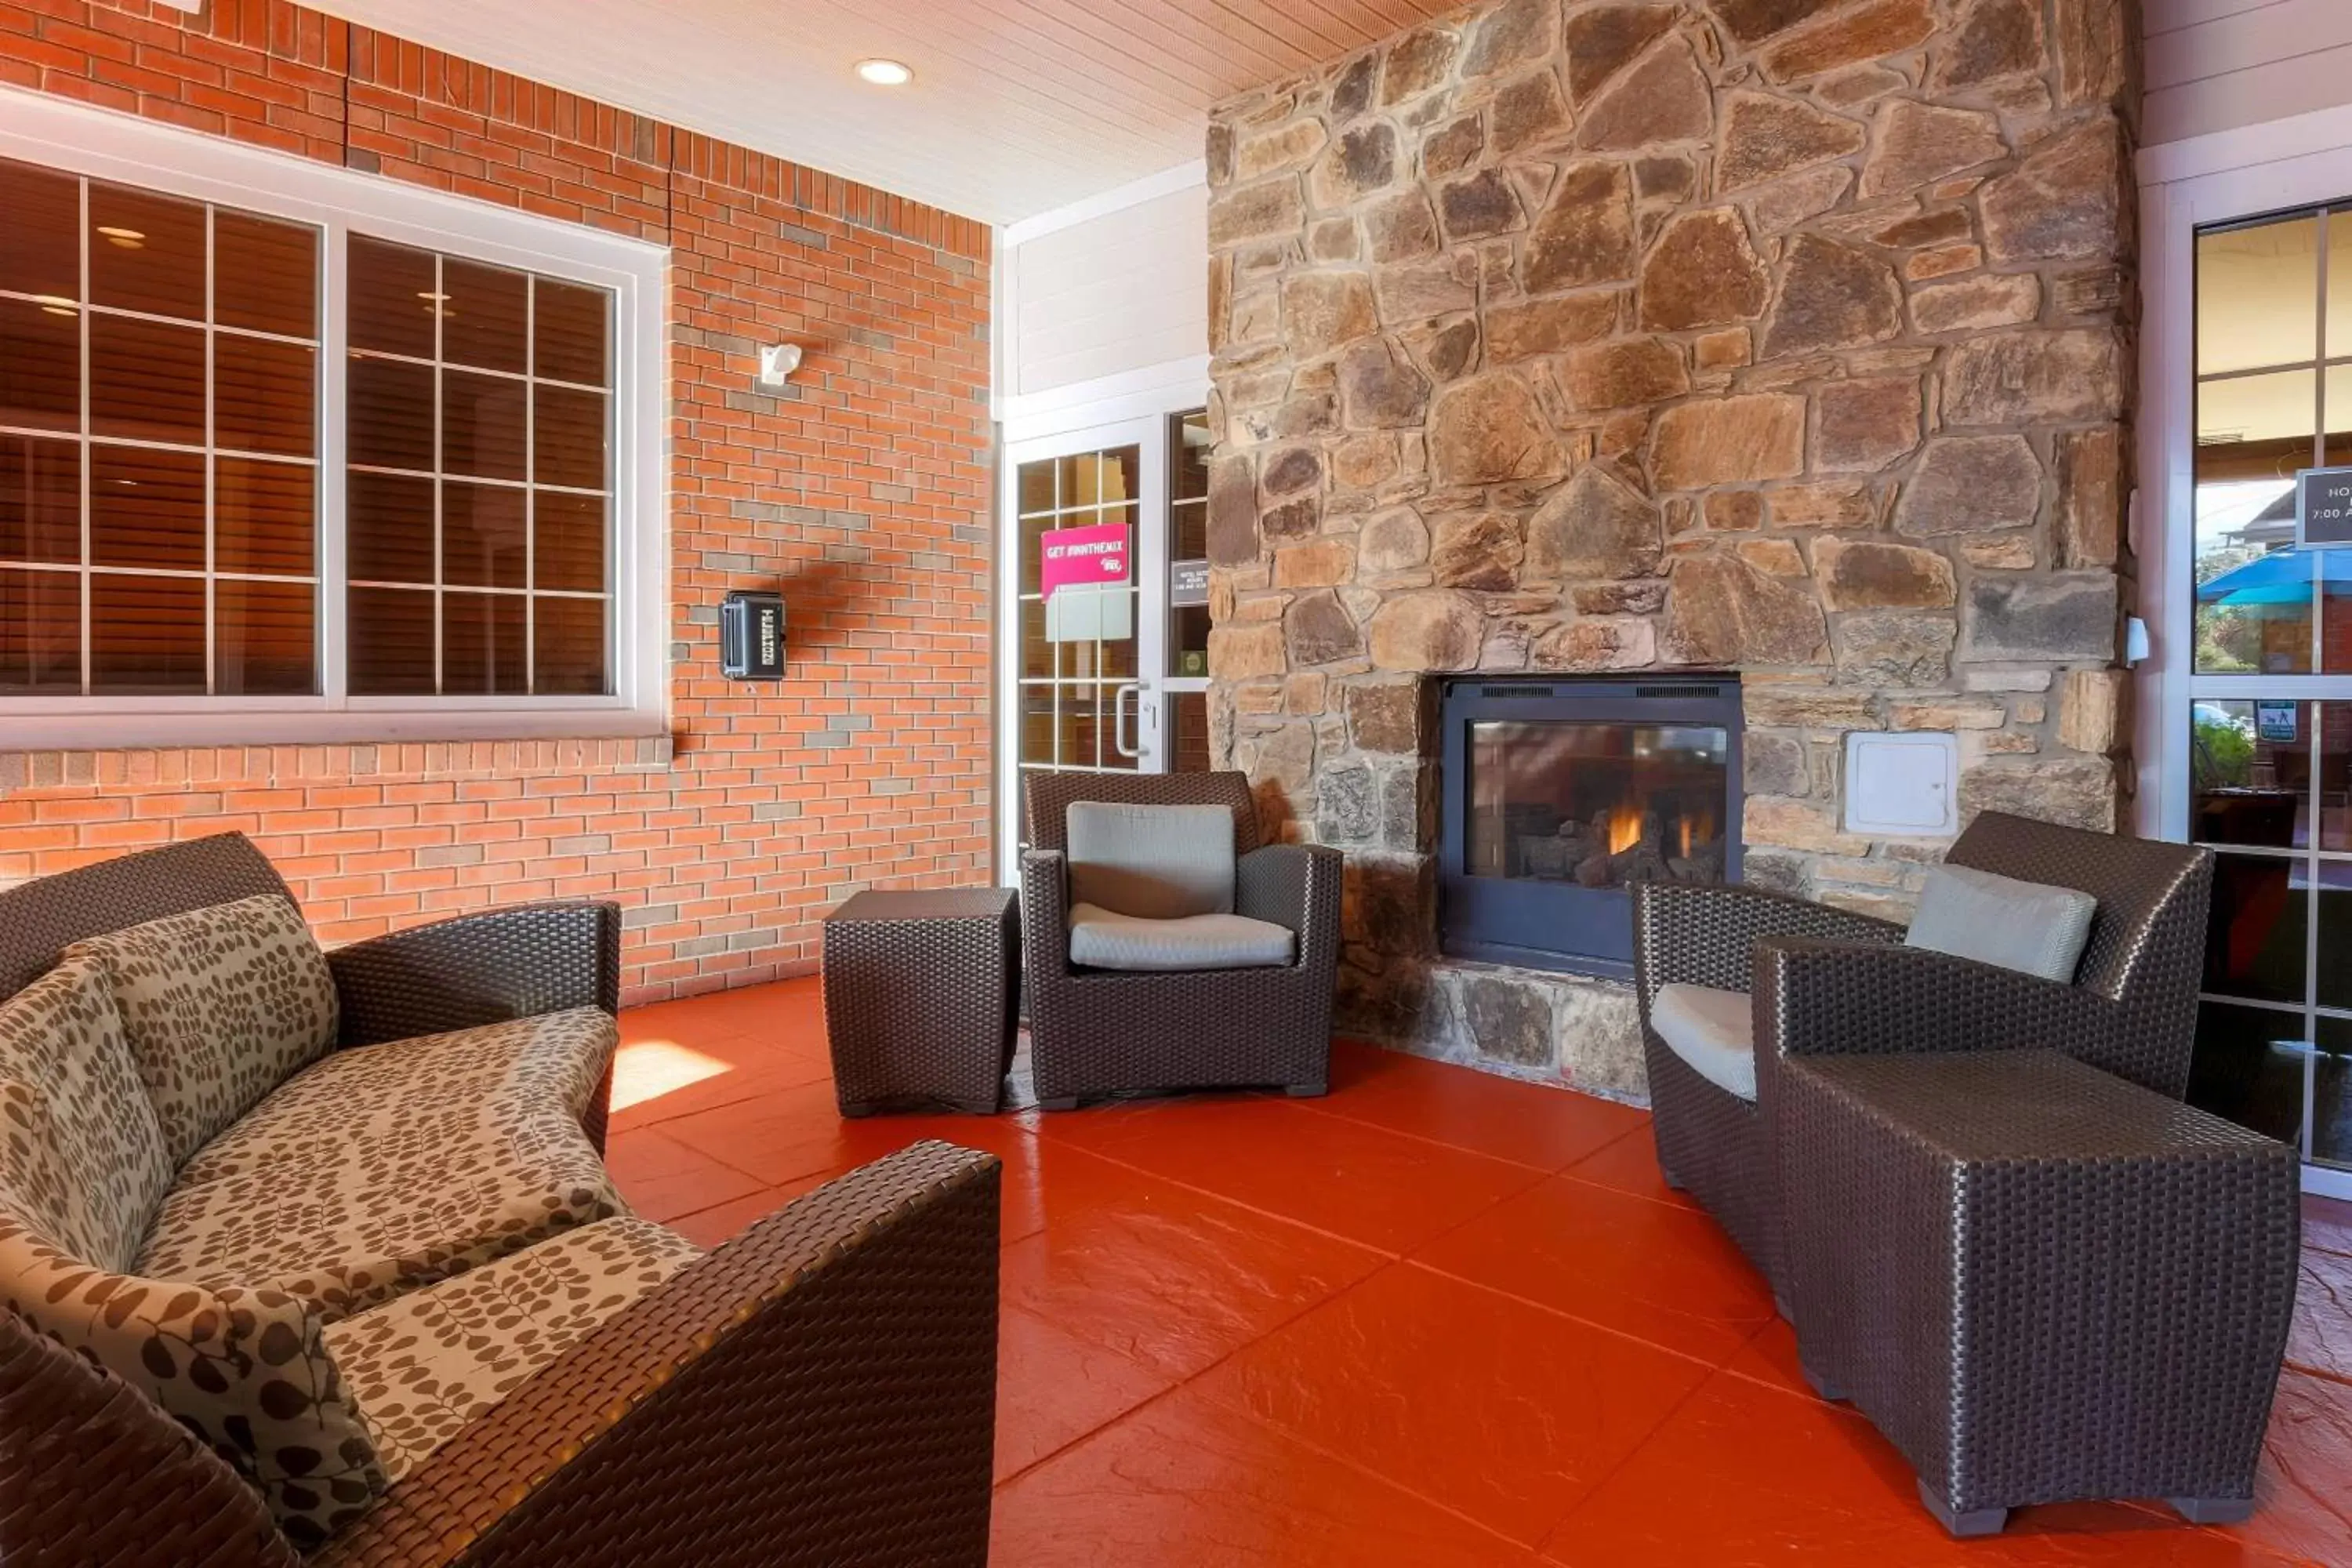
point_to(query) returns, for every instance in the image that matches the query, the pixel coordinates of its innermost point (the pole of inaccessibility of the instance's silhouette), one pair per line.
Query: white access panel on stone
(1904, 786)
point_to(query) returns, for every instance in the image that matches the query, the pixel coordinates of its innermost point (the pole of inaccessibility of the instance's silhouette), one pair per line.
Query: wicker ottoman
(921, 1002)
(2042, 1282)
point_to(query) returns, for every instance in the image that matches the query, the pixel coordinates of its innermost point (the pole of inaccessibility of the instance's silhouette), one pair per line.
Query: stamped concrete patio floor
(1434, 1318)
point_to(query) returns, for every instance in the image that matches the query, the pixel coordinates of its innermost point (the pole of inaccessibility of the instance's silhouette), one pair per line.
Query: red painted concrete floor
(1436, 1318)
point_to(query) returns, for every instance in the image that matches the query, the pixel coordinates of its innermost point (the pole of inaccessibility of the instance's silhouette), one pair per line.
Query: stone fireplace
(1576, 338)
(1557, 795)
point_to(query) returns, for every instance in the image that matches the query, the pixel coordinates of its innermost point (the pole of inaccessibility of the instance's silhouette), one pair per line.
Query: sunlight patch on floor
(648, 1069)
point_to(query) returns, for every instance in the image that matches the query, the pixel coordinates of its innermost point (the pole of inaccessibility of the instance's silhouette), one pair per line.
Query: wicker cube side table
(2042, 1282)
(921, 999)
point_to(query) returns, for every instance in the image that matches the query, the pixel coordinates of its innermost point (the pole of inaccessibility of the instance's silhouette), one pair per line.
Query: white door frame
(2233, 175)
(1147, 435)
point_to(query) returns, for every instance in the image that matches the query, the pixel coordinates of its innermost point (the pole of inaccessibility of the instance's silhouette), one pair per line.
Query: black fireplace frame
(1488, 918)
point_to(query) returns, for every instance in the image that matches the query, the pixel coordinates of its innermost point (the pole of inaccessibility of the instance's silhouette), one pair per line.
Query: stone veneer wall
(1785, 336)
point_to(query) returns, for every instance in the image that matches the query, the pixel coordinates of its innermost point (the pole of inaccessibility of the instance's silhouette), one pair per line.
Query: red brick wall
(864, 491)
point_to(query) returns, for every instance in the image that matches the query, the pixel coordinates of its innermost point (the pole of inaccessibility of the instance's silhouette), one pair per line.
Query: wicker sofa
(384, 1306)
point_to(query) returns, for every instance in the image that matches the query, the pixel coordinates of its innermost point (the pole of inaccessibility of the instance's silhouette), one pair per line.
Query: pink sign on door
(1082, 557)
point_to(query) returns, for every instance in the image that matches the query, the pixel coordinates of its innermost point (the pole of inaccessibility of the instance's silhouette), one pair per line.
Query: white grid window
(159, 369)
(293, 454)
(479, 483)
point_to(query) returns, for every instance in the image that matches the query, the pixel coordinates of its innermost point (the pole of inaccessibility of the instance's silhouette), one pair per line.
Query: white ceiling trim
(1149, 188)
(2244, 147)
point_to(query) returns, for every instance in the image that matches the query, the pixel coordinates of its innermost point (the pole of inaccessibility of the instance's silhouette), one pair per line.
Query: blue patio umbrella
(2283, 577)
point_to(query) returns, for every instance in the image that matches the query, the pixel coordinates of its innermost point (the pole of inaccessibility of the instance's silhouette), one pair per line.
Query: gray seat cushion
(1153, 862)
(1102, 940)
(2023, 926)
(1713, 1032)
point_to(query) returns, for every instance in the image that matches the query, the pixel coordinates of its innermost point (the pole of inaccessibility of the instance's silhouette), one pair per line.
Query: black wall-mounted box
(752, 636)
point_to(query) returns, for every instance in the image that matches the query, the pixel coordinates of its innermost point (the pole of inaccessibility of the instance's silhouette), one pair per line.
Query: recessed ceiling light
(885, 73)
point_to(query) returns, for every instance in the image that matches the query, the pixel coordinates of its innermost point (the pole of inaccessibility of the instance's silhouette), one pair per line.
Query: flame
(1624, 828)
(1689, 830)
(1696, 829)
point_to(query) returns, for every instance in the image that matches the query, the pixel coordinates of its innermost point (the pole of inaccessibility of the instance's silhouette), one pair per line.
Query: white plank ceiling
(1017, 105)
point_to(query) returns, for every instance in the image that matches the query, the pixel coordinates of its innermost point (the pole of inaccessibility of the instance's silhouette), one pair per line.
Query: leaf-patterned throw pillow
(246, 1370)
(221, 1005)
(78, 1141)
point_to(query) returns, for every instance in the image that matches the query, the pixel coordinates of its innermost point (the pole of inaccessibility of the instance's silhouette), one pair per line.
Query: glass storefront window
(2250, 773)
(2270, 735)
(2330, 1095)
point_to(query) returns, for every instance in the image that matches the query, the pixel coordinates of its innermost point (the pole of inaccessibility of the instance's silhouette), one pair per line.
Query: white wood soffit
(2219, 65)
(1018, 106)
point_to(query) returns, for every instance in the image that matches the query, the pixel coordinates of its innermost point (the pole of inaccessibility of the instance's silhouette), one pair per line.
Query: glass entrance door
(1106, 630)
(1081, 649)
(2269, 741)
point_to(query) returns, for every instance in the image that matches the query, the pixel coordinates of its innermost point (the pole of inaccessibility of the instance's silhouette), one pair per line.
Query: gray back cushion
(1152, 862)
(1999, 920)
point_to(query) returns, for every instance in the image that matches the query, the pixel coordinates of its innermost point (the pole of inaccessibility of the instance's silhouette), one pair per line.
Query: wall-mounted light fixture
(777, 362)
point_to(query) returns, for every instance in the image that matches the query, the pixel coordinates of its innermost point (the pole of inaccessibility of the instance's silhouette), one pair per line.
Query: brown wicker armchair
(1818, 975)
(1096, 1031)
(819, 1390)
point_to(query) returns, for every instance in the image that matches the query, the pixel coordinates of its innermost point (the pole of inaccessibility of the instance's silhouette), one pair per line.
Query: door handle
(1118, 719)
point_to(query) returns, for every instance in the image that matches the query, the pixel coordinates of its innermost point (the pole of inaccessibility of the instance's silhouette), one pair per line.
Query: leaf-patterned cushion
(347, 1223)
(221, 1005)
(425, 1365)
(414, 1096)
(246, 1370)
(79, 1146)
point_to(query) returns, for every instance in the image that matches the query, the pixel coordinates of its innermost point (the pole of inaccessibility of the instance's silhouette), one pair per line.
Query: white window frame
(2226, 177)
(171, 160)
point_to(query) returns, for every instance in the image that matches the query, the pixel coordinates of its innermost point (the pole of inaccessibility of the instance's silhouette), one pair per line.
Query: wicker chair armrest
(1045, 912)
(1293, 885)
(94, 1474)
(819, 1390)
(480, 969)
(1844, 998)
(1700, 935)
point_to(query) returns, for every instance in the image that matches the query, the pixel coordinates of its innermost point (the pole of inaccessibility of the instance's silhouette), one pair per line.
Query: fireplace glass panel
(1601, 805)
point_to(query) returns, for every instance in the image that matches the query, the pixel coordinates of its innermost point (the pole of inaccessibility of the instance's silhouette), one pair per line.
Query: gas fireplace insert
(1559, 794)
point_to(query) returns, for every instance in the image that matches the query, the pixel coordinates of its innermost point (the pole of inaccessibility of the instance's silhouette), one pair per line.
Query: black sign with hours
(2323, 513)
(1188, 582)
